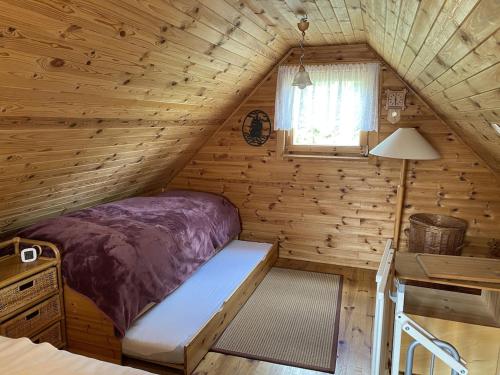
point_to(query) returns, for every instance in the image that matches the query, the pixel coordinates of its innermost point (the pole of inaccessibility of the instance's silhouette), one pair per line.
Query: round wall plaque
(256, 128)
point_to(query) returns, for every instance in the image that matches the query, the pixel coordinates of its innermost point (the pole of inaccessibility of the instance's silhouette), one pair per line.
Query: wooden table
(462, 301)
(409, 270)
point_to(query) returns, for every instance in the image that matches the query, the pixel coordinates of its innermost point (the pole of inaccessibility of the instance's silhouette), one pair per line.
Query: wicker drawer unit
(25, 291)
(28, 322)
(31, 297)
(53, 335)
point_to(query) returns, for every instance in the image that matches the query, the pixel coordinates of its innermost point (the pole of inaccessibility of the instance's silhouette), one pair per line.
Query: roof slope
(449, 53)
(196, 59)
(160, 72)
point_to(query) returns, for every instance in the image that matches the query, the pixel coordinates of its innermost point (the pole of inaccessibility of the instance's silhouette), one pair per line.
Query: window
(331, 117)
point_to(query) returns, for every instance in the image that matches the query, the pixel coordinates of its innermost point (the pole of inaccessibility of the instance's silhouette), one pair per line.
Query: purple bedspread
(127, 254)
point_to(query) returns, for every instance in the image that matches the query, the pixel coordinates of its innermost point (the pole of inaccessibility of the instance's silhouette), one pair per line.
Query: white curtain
(284, 97)
(342, 99)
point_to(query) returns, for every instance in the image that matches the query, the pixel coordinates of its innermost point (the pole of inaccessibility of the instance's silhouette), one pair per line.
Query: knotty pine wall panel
(448, 51)
(195, 60)
(51, 166)
(342, 211)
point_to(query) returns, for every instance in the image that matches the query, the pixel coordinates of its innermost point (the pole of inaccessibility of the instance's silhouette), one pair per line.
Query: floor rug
(292, 318)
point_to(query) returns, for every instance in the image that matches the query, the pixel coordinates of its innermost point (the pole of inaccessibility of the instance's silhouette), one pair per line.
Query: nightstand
(31, 294)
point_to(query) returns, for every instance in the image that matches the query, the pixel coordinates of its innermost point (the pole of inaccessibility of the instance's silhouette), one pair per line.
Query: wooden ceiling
(196, 59)
(193, 61)
(448, 51)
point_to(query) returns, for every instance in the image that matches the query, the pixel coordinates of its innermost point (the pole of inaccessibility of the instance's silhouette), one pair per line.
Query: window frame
(368, 140)
(287, 149)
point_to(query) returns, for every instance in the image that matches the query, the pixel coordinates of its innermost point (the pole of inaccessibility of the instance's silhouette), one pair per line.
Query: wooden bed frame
(91, 333)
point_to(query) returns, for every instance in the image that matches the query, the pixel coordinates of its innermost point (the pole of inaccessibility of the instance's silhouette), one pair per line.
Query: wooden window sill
(335, 157)
(286, 150)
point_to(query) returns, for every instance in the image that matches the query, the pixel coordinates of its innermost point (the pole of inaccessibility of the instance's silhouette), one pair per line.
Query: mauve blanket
(126, 254)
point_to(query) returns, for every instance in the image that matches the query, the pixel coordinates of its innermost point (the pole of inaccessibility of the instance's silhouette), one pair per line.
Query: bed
(120, 259)
(22, 357)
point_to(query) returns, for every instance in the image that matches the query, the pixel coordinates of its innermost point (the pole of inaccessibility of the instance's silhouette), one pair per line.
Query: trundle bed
(154, 279)
(91, 333)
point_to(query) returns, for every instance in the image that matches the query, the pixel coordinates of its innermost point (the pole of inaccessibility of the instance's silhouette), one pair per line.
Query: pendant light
(301, 79)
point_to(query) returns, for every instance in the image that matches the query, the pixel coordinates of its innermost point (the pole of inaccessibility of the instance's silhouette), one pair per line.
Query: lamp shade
(302, 79)
(406, 143)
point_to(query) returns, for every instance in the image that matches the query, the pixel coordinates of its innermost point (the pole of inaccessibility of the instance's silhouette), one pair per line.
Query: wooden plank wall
(50, 166)
(342, 212)
(190, 62)
(100, 100)
(127, 59)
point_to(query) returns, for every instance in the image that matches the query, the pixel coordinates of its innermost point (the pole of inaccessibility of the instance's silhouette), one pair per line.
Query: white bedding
(161, 334)
(22, 357)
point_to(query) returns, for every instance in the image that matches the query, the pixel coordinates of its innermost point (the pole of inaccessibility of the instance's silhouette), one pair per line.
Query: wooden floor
(354, 336)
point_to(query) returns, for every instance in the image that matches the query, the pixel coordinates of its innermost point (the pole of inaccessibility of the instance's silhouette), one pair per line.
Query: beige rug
(292, 318)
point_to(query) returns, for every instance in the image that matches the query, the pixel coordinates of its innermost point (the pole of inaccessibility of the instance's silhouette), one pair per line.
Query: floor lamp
(406, 144)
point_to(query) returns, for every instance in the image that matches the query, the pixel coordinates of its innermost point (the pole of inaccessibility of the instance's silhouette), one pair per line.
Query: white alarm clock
(30, 254)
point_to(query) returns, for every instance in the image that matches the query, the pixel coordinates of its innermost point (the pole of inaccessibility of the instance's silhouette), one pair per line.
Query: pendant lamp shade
(302, 79)
(406, 143)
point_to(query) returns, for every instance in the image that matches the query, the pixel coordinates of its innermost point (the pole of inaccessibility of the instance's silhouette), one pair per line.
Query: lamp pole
(400, 198)
(404, 144)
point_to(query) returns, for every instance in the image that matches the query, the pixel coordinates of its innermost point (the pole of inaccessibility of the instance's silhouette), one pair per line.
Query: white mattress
(161, 334)
(22, 357)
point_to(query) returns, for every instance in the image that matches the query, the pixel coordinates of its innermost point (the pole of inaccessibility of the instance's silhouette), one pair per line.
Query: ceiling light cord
(302, 48)
(303, 25)
(302, 79)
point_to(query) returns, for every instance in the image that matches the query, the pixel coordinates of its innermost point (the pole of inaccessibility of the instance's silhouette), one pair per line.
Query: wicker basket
(23, 292)
(30, 321)
(436, 234)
